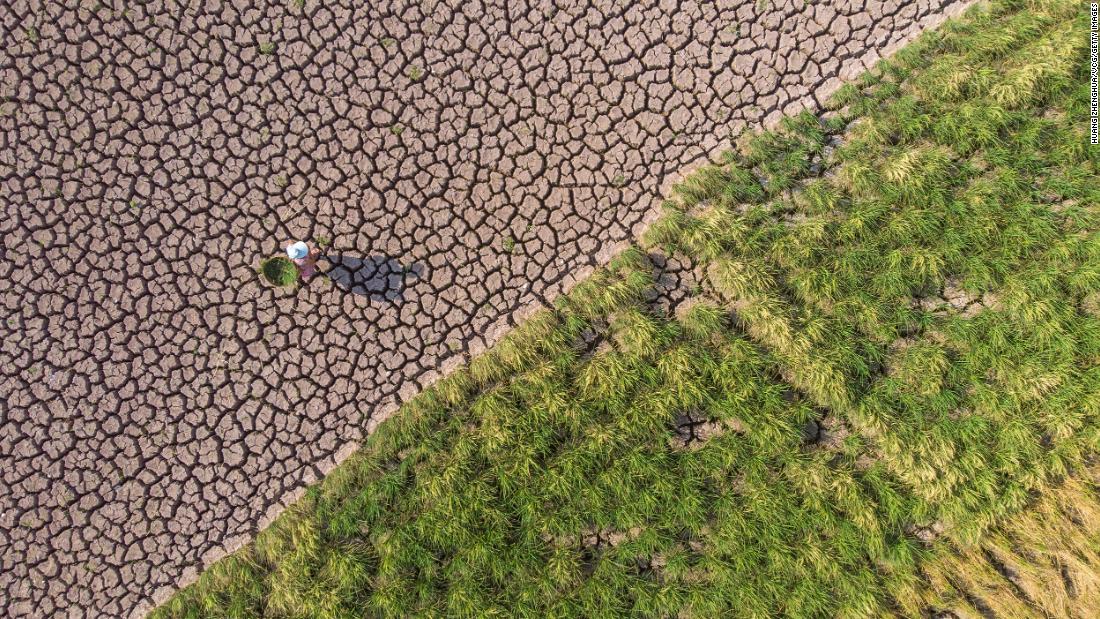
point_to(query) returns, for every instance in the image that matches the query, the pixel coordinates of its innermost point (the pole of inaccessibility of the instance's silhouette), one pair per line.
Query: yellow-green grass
(1041, 563)
(929, 292)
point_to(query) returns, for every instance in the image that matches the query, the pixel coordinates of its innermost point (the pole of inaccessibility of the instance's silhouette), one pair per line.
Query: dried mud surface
(468, 161)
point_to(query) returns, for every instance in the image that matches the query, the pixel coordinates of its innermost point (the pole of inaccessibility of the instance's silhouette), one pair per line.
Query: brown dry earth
(468, 161)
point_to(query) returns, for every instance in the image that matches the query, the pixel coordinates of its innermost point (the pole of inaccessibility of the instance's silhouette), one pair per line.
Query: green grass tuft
(279, 271)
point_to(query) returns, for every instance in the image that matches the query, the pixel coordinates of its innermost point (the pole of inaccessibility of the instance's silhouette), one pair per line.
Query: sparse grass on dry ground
(928, 293)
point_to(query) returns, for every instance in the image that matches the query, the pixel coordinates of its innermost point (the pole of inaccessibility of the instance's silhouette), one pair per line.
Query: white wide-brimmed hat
(297, 250)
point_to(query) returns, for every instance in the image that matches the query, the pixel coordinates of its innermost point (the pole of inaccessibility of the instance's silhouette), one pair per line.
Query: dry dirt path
(159, 404)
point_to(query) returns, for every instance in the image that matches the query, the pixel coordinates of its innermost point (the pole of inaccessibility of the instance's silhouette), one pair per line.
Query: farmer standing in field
(306, 260)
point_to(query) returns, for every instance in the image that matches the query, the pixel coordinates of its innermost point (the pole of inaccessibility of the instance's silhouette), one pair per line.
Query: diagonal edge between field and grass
(795, 442)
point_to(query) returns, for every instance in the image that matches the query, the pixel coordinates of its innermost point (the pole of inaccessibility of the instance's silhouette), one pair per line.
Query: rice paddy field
(883, 400)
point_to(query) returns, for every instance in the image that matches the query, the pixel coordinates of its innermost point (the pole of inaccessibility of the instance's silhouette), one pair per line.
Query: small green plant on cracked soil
(895, 359)
(279, 271)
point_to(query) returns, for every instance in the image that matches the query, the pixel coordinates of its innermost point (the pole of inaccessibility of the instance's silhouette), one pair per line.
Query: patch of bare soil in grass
(954, 299)
(691, 430)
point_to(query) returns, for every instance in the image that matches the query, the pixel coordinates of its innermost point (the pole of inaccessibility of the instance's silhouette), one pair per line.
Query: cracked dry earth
(467, 162)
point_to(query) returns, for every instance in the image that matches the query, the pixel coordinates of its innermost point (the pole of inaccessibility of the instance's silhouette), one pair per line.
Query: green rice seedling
(707, 183)
(607, 378)
(1046, 68)
(703, 321)
(740, 185)
(817, 287)
(279, 271)
(636, 334)
(971, 126)
(859, 179)
(800, 243)
(767, 321)
(742, 280)
(783, 157)
(917, 176)
(453, 389)
(718, 231)
(845, 95)
(819, 197)
(667, 231)
(625, 282)
(550, 334)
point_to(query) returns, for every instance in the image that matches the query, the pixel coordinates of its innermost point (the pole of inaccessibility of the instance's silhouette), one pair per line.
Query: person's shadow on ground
(379, 277)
